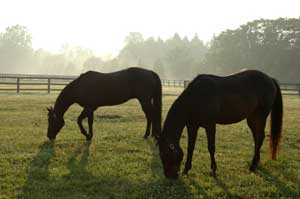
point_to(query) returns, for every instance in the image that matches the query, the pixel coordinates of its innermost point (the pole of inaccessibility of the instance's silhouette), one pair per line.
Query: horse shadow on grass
(184, 187)
(286, 190)
(160, 187)
(77, 181)
(38, 172)
(108, 117)
(185, 184)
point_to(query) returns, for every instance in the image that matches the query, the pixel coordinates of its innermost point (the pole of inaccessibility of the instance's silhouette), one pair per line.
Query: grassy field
(119, 163)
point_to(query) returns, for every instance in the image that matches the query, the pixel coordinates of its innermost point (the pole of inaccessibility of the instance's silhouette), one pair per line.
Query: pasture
(119, 163)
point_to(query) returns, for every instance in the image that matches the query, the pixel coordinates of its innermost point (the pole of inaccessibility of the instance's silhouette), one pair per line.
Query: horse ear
(50, 109)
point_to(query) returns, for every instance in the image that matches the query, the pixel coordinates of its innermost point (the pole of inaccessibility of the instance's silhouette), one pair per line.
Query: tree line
(272, 46)
(18, 56)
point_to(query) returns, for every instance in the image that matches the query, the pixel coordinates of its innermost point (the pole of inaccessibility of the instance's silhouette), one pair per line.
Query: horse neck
(63, 101)
(175, 123)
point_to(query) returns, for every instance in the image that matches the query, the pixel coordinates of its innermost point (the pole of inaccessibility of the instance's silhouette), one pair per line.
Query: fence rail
(49, 83)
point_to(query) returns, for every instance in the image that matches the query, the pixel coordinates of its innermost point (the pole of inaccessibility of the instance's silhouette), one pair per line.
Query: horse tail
(157, 103)
(276, 122)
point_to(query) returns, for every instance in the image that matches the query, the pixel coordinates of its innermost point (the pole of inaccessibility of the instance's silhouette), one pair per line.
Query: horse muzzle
(51, 138)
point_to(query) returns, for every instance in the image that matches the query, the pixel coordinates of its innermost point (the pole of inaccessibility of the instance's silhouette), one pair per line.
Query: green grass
(119, 163)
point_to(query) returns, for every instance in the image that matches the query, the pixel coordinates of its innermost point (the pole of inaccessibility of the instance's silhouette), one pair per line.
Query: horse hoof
(146, 137)
(155, 137)
(88, 138)
(252, 168)
(185, 173)
(213, 174)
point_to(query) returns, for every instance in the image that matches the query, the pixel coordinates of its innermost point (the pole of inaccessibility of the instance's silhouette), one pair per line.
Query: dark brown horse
(209, 100)
(93, 89)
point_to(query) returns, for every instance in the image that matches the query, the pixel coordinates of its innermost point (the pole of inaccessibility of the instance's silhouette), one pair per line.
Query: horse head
(55, 123)
(171, 156)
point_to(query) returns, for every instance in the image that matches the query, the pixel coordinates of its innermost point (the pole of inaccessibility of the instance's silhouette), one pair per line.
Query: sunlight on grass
(119, 163)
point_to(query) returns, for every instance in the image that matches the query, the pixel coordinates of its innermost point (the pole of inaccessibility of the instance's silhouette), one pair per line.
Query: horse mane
(175, 121)
(65, 97)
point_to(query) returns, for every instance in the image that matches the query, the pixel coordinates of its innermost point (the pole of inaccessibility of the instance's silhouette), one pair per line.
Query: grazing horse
(209, 100)
(93, 89)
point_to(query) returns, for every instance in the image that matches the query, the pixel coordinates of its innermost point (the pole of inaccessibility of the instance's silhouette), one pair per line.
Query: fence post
(49, 84)
(185, 83)
(18, 84)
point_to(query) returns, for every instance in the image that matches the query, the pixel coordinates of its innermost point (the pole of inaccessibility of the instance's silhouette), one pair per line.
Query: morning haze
(177, 39)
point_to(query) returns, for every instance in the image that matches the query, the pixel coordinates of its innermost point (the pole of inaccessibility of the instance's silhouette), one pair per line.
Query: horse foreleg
(192, 136)
(80, 118)
(211, 139)
(90, 122)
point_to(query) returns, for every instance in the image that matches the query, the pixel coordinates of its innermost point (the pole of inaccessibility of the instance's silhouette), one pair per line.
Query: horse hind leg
(147, 107)
(257, 125)
(155, 122)
(211, 139)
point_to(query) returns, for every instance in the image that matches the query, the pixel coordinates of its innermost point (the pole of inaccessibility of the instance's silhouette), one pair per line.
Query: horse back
(101, 89)
(230, 99)
(244, 94)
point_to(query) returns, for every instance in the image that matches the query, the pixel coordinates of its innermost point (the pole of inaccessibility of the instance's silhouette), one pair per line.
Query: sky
(103, 25)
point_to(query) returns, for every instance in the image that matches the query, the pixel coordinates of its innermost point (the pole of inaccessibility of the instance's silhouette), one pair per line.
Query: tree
(16, 37)
(178, 58)
(93, 63)
(132, 51)
(16, 51)
(134, 38)
(159, 68)
(77, 56)
(272, 46)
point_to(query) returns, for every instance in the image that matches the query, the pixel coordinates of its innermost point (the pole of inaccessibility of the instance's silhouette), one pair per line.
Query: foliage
(93, 63)
(15, 49)
(18, 56)
(272, 46)
(174, 58)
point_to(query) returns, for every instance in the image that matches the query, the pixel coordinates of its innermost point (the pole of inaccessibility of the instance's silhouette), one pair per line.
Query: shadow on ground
(108, 117)
(80, 183)
(276, 177)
